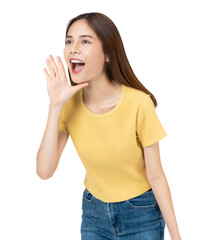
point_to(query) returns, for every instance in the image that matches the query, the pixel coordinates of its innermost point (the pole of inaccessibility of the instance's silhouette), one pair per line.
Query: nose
(75, 49)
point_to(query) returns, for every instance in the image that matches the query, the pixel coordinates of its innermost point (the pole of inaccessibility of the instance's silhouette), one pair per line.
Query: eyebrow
(69, 36)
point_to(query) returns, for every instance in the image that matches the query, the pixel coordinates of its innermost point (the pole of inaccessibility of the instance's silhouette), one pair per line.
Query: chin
(78, 81)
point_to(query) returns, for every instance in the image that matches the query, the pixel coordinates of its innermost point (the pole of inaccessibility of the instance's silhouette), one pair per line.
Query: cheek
(97, 60)
(66, 54)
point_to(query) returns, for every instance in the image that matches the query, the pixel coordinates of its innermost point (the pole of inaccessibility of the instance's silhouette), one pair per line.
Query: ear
(107, 59)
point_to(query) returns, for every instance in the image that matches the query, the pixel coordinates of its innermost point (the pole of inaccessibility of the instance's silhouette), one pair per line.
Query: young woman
(111, 119)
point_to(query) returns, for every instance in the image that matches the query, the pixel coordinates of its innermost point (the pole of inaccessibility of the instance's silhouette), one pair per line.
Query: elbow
(42, 175)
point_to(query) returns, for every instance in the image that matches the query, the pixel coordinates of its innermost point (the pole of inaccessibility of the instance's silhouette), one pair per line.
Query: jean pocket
(87, 196)
(144, 201)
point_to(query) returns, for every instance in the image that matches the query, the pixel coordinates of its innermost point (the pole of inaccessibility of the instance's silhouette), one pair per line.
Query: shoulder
(136, 96)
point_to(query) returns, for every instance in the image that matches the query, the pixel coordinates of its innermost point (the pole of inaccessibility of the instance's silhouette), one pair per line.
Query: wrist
(55, 106)
(55, 109)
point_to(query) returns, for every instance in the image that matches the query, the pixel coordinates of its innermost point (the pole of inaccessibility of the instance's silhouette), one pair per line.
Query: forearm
(47, 154)
(162, 193)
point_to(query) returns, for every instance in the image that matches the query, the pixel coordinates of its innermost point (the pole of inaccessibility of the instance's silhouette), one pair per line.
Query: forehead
(80, 27)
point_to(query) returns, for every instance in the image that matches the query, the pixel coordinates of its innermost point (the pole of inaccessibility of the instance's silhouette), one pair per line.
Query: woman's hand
(57, 86)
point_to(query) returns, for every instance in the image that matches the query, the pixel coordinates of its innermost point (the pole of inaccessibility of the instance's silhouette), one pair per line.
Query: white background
(167, 45)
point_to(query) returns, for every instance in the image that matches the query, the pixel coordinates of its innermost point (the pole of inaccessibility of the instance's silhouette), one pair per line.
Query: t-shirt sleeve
(62, 122)
(148, 126)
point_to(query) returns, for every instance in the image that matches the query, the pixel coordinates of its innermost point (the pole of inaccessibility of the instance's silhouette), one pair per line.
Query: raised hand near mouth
(58, 88)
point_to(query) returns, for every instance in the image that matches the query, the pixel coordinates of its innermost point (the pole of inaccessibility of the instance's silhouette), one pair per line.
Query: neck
(101, 92)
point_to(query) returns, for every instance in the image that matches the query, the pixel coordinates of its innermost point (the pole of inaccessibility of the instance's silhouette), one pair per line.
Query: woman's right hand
(57, 85)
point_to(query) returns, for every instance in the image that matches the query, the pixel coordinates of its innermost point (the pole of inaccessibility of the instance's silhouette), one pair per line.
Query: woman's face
(85, 48)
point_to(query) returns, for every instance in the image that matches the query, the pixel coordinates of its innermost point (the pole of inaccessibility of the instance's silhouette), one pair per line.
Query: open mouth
(77, 66)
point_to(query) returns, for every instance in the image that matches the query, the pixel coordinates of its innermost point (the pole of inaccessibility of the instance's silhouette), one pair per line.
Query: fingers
(53, 69)
(54, 65)
(62, 70)
(80, 85)
(50, 69)
(47, 75)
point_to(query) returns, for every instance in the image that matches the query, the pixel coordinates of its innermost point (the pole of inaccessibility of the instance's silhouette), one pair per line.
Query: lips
(77, 65)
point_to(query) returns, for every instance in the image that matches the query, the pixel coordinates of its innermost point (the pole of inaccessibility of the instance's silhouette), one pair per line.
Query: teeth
(76, 61)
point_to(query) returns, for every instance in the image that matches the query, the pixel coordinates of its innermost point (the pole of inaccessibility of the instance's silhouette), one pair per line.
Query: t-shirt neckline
(100, 115)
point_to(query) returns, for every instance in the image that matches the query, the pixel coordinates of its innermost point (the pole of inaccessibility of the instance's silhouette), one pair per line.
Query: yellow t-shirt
(110, 145)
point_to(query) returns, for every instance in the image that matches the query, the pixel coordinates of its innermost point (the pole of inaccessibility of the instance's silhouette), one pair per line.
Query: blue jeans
(138, 218)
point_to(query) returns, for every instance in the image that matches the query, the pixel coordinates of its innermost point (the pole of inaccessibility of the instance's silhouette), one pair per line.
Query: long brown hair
(118, 69)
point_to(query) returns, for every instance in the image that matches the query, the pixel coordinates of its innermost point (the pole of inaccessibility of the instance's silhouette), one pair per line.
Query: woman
(111, 119)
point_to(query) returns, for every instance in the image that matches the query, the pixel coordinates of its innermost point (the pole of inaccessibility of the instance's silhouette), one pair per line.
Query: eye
(85, 41)
(67, 41)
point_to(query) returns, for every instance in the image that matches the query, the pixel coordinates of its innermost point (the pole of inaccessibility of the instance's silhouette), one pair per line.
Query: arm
(52, 145)
(159, 185)
(54, 141)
